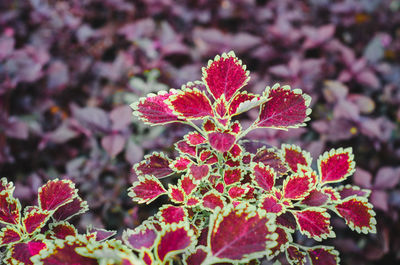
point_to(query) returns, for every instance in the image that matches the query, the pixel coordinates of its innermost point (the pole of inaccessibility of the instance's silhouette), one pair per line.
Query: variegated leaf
(141, 238)
(35, 219)
(293, 156)
(195, 256)
(314, 223)
(10, 209)
(232, 175)
(20, 253)
(190, 104)
(269, 157)
(212, 200)
(146, 190)
(271, 204)
(155, 164)
(194, 138)
(323, 255)
(285, 108)
(296, 186)
(9, 235)
(264, 176)
(170, 214)
(68, 210)
(62, 229)
(350, 190)
(295, 256)
(225, 76)
(284, 238)
(243, 102)
(221, 142)
(56, 193)
(336, 165)
(315, 198)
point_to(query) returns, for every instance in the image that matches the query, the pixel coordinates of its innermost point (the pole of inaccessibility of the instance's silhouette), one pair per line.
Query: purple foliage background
(69, 70)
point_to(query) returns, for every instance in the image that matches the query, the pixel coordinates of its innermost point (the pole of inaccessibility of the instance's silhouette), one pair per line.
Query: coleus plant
(228, 203)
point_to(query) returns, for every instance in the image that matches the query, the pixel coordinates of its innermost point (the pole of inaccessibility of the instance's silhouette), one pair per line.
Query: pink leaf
(146, 190)
(314, 223)
(315, 198)
(212, 200)
(237, 192)
(269, 157)
(225, 76)
(358, 214)
(194, 138)
(176, 194)
(232, 176)
(296, 186)
(187, 184)
(174, 240)
(270, 204)
(170, 214)
(293, 156)
(62, 230)
(190, 104)
(153, 109)
(285, 108)
(236, 233)
(142, 237)
(155, 164)
(21, 253)
(336, 165)
(199, 172)
(56, 193)
(185, 148)
(221, 142)
(264, 176)
(113, 144)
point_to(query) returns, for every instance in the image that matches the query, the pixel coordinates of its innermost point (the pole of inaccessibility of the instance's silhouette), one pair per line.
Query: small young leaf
(146, 190)
(296, 186)
(170, 214)
(350, 190)
(270, 204)
(20, 253)
(35, 219)
(293, 156)
(232, 176)
(221, 142)
(212, 200)
(336, 165)
(156, 164)
(10, 209)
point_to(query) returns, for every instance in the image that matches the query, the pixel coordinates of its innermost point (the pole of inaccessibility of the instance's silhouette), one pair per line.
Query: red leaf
(269, 157)
(314, 223)
(225, 76)
(322, 255)
(192, 201)
(209, 126)
(350, 190)
(238, 233)
(293, 156)
(152, 109)
(212, 200)
(264, 176)
(176, 194)
(232, 176)
(336, 165)
(187, 184)
(10, 209)
(35, 219)
(237, 192)
(296, 186)
(283, 240)
(243, 102)
(185, 148)
(358, 214)
(146, 190)
(21, 253)
(75, 207)
(295, 256)
(221, 142)
(333, 194)
(190, 104)
(155, 164)
(56, 193)
(208, 157)
(285, 108)
(194, 138)
(197, 256)
(180, 163)
(270, 204)
(113, 144)
(174, 240)
(199, 172)
(142, 237)
(221, 107)
(9, 235)
(147, 257)
(62, 230)
(315, 198)
(172, 214)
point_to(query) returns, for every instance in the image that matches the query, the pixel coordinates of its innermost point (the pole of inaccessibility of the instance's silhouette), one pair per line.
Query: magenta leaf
(314, 223)
(9, 235)
(56, 193)
(225, 76)
(170, 214)
(153, 109)
(322, 255)
(236, 233)
(101, 234)
(142, 237)
(21, 253)
(190, 104)
(315, 198)
(212, 200)
(297, 186)
(243, 102)
(68, 210)
(221, 142)
(271, 204)
(155, 164)
(293, 156)
(35, 219)
(188, 184)
(62, 229)
(270, 158)
(358, 214)
(5, 185)
(336, 165)
(174, 240)
(194, 138)
(264, 176)
(176, 194)
(146, 190)
(197, 256)
(284, 109)
(232, 176)
(185, 148)
(10, 209)
(199, 172)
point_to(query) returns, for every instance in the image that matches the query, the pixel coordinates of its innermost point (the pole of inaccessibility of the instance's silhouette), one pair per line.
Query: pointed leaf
(350, 190)
(62, 229)
(174, 240)
(243, 102)
(240, 233)
(269, 157)
(199, 172)
(180, 164)
(314, 223)
(264, 176)
(221, 107)
(225, 76)
(358, 214)
(271, 204)
(176, 194)
(192, 201)
(315, 198)
(21, 253)
(285, 108)
(296, 186)
(170, 214)
(332, 193)
(153, 110)
(187, 184)
(237, 192)
(322, 255)
(221, 142)
(190, 104)
(67, 211)
(185, 148)
(232, 176)
(146, 190)
(336, 165)
(194, 138)
(56, 193)
(156, 165)
(10, 209)
(212, 200)
(35, 219)
(295, 256)
(142, 237)
(9, 235)
(293, 156)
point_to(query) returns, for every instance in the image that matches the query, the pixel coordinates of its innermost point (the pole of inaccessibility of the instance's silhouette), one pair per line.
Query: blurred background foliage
(70, 69)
